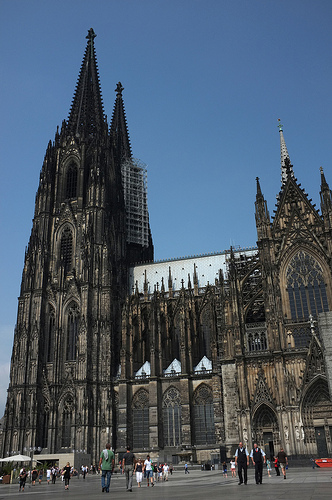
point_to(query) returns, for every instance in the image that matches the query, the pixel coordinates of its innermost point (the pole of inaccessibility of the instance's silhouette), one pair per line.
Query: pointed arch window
(67, 420)
(256, 337)
(206, 327)
(203, 415)
(176, 337)
(66, 250)
(306, 287)
(71, 181)
(172, 417)
(45, 424)
(72, 331)
(51, 334)
(141, 420)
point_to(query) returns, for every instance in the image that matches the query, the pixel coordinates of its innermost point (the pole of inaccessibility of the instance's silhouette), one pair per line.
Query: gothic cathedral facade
(178, 366)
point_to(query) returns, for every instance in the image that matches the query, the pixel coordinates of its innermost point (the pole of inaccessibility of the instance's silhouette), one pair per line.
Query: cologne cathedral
(181, 359)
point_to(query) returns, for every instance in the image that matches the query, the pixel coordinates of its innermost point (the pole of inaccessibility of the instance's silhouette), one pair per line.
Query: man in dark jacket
(258, 457)
(242, 461)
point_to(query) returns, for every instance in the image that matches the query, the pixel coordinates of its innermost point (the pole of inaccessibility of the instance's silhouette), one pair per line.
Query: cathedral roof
(206, 267)
(86, 117)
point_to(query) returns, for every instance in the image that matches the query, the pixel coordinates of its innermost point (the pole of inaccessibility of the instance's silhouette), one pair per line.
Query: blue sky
(205, 82)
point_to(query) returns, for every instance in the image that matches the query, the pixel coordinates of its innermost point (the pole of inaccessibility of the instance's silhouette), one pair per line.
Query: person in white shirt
(148, 471)
(48, 476)
(233, 468)
(165, 471)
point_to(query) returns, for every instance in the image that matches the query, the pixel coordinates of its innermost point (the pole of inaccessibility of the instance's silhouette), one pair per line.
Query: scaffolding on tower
(134, 179)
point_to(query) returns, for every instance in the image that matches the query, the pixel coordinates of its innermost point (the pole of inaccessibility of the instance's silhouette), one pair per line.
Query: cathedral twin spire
(87, 118)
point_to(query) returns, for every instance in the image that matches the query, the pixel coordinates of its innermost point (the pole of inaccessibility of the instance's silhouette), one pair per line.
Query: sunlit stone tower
(66, 346)
(181, 358)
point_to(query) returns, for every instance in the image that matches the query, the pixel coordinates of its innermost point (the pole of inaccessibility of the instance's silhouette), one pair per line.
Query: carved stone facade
(174, 363)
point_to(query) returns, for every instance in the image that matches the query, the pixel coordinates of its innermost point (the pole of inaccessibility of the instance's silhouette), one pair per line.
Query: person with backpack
(258, 457)
(106, 465)
(23, 478)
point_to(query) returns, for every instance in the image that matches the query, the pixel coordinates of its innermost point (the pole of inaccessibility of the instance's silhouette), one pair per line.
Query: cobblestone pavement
(301, 484)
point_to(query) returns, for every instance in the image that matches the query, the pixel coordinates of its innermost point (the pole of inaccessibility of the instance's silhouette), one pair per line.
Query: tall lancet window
(66, 250)
(306, 287)
(72, 331)
(206, 326)
(172, 417)
(71, 181)
(141, 419)
(50, 336)
(203, 415)
(67, 420)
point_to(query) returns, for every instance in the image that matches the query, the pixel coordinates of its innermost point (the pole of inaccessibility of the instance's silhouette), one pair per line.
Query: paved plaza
(301, 484)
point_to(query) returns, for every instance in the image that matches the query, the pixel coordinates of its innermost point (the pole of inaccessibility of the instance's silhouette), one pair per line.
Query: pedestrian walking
(48, 475)
(23, 477)
(34, 475)
(276, 466)
(66, 473)
(268, 467)
(155, 472)
(233, 468)
(54, 474)
(148, 471)
(283, 460)
(128, 464)
(165, 471)
(242, 462)
(139, 472)
(106, 465)
(258, 457)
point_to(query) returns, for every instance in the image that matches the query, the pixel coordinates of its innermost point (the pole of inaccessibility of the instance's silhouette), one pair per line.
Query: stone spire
(119, 129)
(86, 117)
(326, 200)
(284, 155)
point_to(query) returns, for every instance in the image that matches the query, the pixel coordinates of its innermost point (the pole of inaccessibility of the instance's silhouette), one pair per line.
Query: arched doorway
(316, 417)
(265, 429)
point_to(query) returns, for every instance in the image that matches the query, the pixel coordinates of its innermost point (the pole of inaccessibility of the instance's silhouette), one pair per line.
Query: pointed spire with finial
(262, 215)
(119, 129)
(325, 199)
(170, 282)
(86, 117)
(284, 155)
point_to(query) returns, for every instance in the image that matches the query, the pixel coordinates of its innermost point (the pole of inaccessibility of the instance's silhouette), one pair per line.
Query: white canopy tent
(16, 458)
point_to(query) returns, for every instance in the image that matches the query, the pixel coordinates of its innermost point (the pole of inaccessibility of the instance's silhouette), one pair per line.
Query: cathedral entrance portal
(265, 427)
(321, 442)
(316, 416)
